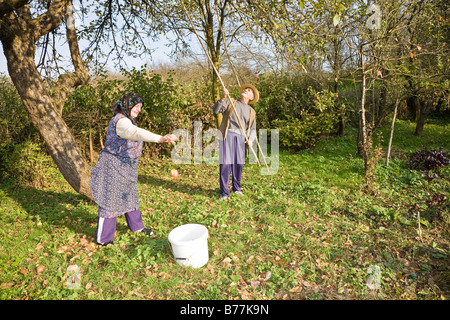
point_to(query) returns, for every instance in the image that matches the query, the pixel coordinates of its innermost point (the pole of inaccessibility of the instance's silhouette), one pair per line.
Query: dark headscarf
(126, 103)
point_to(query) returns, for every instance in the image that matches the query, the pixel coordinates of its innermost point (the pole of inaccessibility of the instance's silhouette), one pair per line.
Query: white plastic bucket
(189, 244)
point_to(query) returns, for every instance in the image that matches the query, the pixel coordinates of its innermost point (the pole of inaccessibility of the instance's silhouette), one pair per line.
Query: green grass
(308, 232)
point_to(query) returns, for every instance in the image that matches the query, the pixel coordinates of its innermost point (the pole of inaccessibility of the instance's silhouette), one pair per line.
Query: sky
(3, 67)
(158, 56)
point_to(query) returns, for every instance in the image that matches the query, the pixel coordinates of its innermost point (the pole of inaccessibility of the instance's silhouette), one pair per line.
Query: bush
(87, 112)
(167, 106)
(15, 125)
(165, 103)
(16, 134)
(425, 160)
(26, 162)
(304, 132)
(282, 98)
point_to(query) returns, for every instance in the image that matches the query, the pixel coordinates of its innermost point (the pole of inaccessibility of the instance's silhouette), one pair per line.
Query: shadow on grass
(60, 209)
(187, 187)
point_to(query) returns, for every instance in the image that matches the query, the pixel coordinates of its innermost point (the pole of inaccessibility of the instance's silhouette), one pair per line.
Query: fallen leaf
(227, 261)
(6, 285)
(296, 289)
(40, 268)
(24, 271)
(62, 249)
(165, 275)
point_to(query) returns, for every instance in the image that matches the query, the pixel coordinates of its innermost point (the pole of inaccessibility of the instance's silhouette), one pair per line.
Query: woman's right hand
(169, 138)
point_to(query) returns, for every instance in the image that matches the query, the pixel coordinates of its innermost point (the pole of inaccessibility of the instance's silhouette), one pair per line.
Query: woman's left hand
(169, 138)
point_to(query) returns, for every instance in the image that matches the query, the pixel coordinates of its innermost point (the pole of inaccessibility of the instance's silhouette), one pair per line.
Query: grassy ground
(308, 232)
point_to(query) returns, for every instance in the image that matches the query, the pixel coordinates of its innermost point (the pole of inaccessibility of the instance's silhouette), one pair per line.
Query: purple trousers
(232, 159)
(106, 227)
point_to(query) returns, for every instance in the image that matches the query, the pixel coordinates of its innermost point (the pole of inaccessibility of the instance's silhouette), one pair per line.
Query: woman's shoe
(148, 232)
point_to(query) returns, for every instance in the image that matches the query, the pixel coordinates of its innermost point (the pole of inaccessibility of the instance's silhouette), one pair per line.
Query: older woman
(114, 177)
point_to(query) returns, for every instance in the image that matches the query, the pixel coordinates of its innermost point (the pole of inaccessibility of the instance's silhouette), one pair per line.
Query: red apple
(174, 173)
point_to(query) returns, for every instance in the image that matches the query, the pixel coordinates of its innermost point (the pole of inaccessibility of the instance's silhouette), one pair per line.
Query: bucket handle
(171, 249)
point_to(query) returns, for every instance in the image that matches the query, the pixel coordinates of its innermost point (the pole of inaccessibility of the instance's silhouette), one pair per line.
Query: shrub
(169, 106)
(87, 112)
(426, 160)
(15, 125)
(16, 134)
(304, 132)
(27, 163)
(165, 103)
(282, 98)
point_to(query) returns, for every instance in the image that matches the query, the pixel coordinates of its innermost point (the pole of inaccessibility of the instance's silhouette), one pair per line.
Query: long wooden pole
(223, 85)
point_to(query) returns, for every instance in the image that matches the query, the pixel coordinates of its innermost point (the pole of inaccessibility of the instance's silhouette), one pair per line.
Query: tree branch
(51, 19)
(68, 81)
(7, 6)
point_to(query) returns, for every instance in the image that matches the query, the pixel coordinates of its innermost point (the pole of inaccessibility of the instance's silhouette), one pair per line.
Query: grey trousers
(232, 159)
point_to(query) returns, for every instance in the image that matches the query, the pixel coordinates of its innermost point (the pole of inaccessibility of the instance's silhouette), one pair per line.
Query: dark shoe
(106, 243)
(148, 232)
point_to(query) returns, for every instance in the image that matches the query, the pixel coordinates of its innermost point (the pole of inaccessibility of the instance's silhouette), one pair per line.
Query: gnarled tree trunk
(19, 33)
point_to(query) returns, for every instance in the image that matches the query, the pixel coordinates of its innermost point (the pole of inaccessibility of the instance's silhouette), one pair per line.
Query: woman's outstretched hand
(169, 138)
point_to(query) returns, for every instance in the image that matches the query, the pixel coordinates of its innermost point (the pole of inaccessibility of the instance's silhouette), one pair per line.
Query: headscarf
(126, 103)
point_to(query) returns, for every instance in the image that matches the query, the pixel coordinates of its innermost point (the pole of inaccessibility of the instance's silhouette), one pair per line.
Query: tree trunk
(413, 107)
(341, 123)
(363, 113)
(424, 110)
(19, 49)
(213, 46)
(364, 148)
(388, 154)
